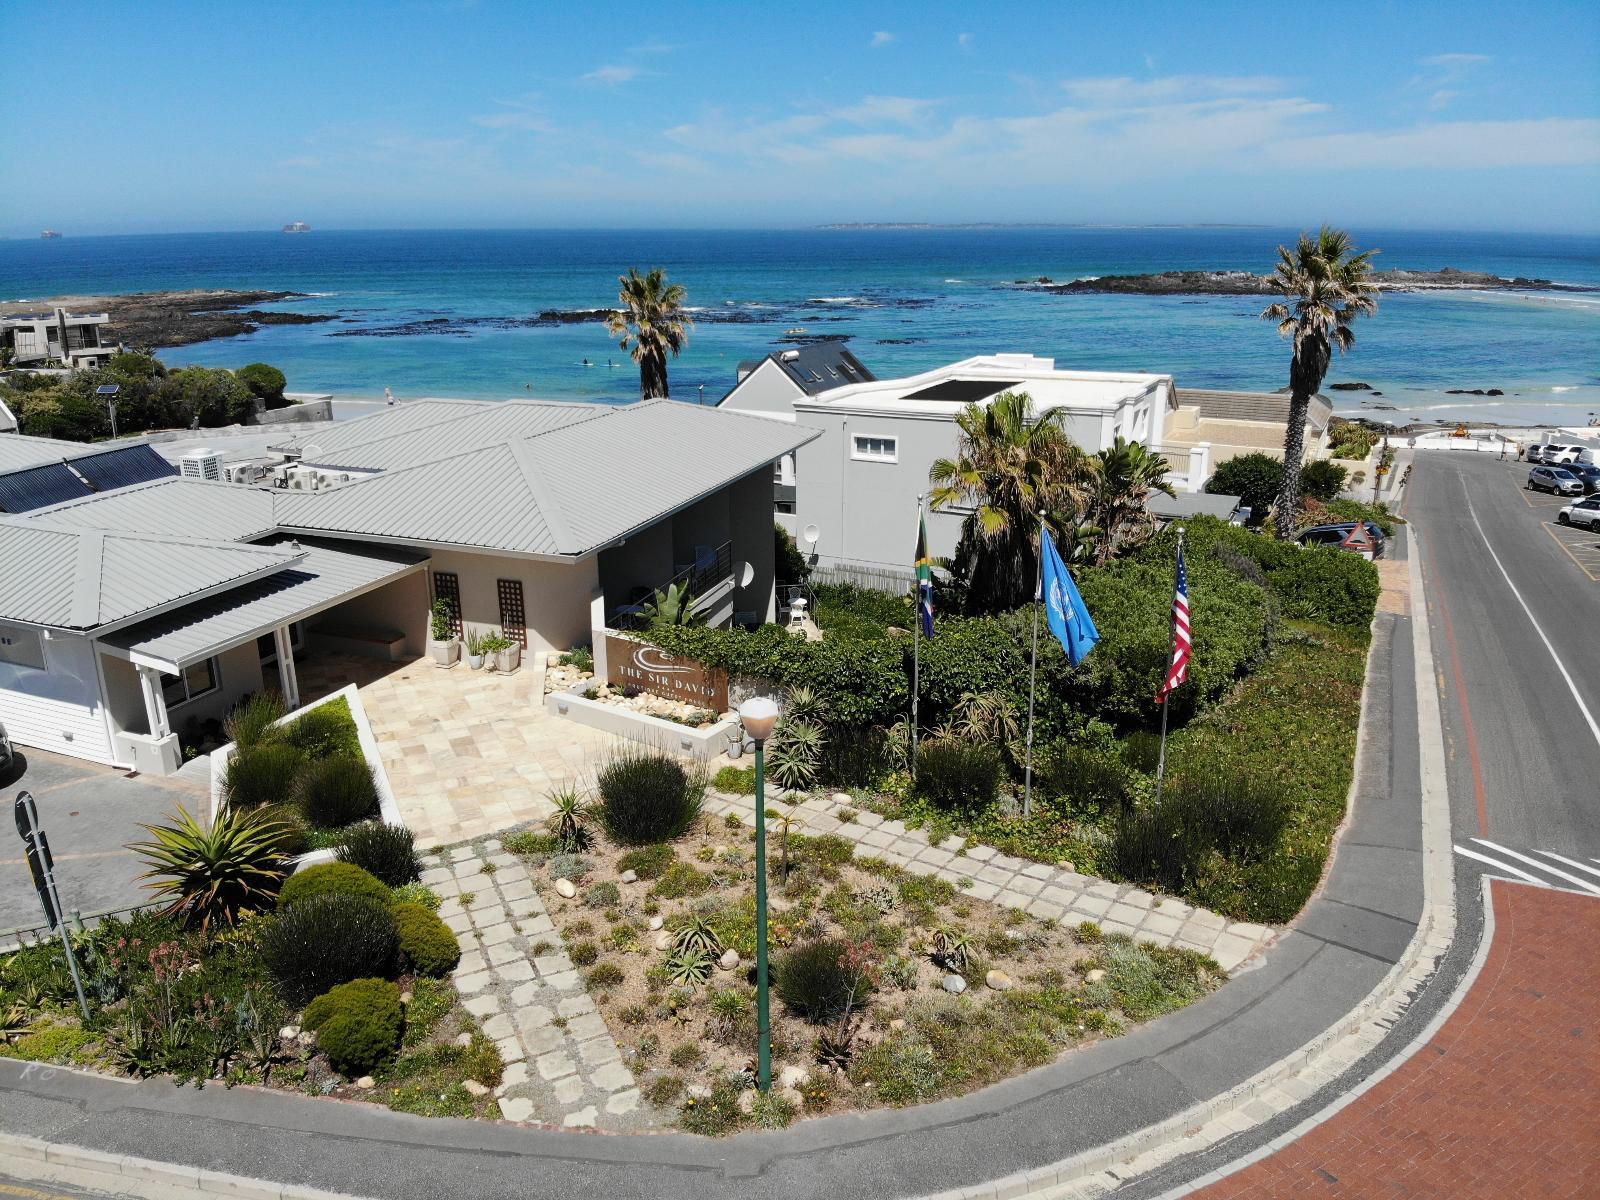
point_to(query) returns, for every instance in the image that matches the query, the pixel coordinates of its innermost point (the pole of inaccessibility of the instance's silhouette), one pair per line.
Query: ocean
(907, 300)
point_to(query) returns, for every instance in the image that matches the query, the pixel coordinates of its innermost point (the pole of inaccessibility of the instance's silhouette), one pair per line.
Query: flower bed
(635, 700)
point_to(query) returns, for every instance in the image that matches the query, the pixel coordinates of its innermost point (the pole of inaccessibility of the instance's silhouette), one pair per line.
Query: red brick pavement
(1504, 1101)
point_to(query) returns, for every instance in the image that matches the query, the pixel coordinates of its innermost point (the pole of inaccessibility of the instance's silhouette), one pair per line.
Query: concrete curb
(38, 1161)
(1297, 1076)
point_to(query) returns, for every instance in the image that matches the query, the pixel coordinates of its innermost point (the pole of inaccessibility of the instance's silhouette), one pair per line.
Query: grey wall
(767, 390)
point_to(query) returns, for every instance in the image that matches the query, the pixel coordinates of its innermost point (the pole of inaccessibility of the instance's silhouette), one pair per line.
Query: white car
(5, 752)
(1584, 512)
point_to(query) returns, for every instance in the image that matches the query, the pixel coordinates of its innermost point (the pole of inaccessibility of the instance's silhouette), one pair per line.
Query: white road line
(1556, 871)
(1500, 866)
(1570, 862)
(1594, 726)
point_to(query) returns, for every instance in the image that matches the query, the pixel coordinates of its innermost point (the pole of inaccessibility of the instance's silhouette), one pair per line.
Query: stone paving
(562, 1066)
(1042, 890)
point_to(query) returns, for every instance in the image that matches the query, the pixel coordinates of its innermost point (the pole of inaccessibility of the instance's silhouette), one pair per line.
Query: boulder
(793, 1076)
(629, 877)
(998, 981)
(843, 798)
(747, 1101)
(1094, 976)
(1067, 866)
(463, 1039)
(656, 923)
(565, 887)
(366, 1083)
(729, 959)
(289, 1032)
(698, 1091)
(473, 1088)
(663, 940)
(793, 1096)
(954, 984)
(405, 997)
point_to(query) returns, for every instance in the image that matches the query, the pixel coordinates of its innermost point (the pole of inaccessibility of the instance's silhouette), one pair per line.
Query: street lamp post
(759, 715)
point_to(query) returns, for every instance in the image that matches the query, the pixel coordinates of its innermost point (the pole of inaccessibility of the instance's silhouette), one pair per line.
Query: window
(21, 647)
(874, 447)
(193, 682)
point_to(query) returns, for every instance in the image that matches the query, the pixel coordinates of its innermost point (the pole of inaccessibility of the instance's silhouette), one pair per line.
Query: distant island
(1245, 283)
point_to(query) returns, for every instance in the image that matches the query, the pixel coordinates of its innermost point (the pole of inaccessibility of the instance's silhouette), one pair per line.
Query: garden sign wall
(652, 669)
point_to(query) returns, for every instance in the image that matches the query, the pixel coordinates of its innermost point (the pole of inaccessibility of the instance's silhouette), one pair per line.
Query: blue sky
(199, 116)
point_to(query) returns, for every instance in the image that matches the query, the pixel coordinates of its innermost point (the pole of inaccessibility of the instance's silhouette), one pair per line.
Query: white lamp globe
(759, 715)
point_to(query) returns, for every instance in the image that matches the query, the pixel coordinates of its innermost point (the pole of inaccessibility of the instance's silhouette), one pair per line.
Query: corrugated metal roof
(39, 487)
(86, 578)
(18, 451)
(123, 466)
(481, 425)
(1216, 404)
(386, 422)
(327, 575)
(184, 507)
(543, 495)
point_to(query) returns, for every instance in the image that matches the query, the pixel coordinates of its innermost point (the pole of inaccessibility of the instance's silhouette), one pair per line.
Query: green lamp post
(759, 715)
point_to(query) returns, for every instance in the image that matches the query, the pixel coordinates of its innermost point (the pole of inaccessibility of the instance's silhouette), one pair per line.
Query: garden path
(468, 753)
(562, 1066)
(1044, 891)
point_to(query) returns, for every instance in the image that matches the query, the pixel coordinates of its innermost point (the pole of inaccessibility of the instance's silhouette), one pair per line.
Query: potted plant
(475, 649)
(507, 653)
(443, 646)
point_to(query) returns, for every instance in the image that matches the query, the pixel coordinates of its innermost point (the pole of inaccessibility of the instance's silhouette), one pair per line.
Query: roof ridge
(554, 519)
(89, 565)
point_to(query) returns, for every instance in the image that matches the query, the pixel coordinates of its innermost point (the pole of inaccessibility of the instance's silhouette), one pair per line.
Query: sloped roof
(178, 506)
(470, 428)
(822, 366)
(18, 451)
(385, 422)
(544, 495)
(87, 578)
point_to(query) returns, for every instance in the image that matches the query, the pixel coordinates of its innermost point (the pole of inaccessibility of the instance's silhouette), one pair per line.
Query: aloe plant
(698, 938)
(569, 823)
(687, 968)
(214, 874)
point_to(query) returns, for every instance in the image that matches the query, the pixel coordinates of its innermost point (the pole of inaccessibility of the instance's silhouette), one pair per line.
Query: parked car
(1561, 454)
(1335, 535)
(1557, 480)
(1583, 512)
(1587, 473)
(5, 753)
(1535, 452)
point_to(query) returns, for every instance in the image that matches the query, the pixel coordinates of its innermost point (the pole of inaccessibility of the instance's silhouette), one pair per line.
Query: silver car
(1554, 479)
(1584, 512)
(5, 752)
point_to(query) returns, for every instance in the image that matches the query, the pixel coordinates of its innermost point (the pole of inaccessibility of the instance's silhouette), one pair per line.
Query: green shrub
(1254, 478)
(1141, 750)
(264, 381)
(254, 720)
(1144, 980)
(1355, 510)
(357, 1024)
(1085, 776)
(955, 774)
(325, 730)
(648, 862)
(338, 791)
(329, 939)
(388, 852)
(335, 878)
(854, 755)
(569, 866)
(1168, 844)
(214, 874)
(584, 954)
(604, 975)
(1322, 480)
(602, 895)
(738, 781)
(427, 946)
(794, 754)
(718, 1113)
(581, 657)
(903, 1069)
(417, 893)
(813, 980)
(531, 843)
(266, 773)
(294, 840)
(648, 795)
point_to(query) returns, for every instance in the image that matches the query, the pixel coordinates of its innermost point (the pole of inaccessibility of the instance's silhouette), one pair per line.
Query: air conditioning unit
(200, 464)
(280, 477)
(244, 473)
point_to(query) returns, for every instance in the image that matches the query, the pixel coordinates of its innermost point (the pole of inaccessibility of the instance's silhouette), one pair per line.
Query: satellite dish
(811, 533)
(747, 574)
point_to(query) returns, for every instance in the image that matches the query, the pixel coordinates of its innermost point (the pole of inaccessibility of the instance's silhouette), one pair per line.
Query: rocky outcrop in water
(1245, 283)
(157, 319)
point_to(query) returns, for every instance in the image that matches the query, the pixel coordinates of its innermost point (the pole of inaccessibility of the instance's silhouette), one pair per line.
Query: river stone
(629, 877)
(998, 981)
(656, 923)
(729, 959)
(663, 940)
(1066, 865)
(463, 1039)
(565, 887)
(793, 1077)
(954, 984)
(473, 1088)
(698, 1091)
(1094, 976)
(405, 997)
(747, 1101)
(366, 1083)
(843, 798)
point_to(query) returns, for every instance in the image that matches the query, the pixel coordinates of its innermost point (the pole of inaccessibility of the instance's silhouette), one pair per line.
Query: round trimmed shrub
(386, 851)
(813, 980)
(427, 946)
(335, 878)
(357, 1024)
(329, 939)
(648, 796)
(266, 773)
(338, 791)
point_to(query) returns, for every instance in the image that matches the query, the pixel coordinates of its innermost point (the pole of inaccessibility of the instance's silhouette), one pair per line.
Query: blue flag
(1063, 606)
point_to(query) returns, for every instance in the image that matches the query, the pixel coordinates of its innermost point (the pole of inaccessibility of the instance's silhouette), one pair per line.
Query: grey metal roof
(1191, 504)
(39, 487)
(386, 422)
(472, 428)
(18, 451)
(202, 508)
(544, 494)
(125, 465)
(86, 578)
(326, 575)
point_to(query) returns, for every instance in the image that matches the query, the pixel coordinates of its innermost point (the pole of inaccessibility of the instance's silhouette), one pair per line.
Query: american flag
(1182, 640)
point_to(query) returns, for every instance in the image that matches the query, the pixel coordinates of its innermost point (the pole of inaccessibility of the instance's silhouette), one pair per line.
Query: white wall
(58, 708)
(555, 596)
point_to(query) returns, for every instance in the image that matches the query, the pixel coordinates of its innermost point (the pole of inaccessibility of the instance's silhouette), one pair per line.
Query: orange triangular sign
(1358, 539)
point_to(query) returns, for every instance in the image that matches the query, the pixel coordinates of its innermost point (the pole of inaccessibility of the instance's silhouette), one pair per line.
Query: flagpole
(1033, 672)
(916, 651)
(1161, 758)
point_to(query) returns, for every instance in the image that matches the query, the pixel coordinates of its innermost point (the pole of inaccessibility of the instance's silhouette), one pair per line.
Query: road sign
(1359, 540)
(36, 849)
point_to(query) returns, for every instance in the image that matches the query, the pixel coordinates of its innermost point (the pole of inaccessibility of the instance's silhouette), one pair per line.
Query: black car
(1335, 535)
(1587, 474)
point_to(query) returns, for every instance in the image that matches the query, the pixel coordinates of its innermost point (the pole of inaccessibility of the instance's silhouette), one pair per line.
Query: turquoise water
(907, 300)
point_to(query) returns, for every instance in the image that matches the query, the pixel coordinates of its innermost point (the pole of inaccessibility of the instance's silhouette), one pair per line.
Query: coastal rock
(1246, 283)
(998, 981)
(628, 877)
(565, 887)
(1354, 385)
(954, 984)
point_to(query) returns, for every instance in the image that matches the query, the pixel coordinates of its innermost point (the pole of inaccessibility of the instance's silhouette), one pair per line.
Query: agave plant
(800, 703)
(950, 948)
(214, 874)
(569, 823)
(688, 968)
(697, 937)
(794, 754)
(672, 606)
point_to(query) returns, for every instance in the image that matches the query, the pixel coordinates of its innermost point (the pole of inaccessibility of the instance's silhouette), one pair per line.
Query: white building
(72, 339)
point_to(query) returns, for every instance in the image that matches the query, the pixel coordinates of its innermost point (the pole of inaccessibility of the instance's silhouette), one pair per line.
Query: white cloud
(964, 40)
(882, 38)
(1455, 61)
(1123, 90)
(897, 110)
(611, 75)
(1452, 145)
(1441, 99)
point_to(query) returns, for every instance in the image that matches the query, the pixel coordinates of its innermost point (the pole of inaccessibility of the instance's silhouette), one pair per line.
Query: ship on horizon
(297, 227)
(48, 233)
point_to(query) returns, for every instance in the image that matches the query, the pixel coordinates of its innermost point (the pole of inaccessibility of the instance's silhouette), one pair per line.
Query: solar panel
(962, 391)
(119, 468)
(38, 487)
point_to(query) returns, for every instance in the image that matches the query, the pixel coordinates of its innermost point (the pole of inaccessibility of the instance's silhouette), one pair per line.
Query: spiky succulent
(698, 938)
(688, 969)
(214, 874)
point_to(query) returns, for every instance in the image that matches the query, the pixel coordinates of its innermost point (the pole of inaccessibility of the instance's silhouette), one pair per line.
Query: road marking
(1556, 871)
(1500, 866)
(1556, 537)
(12, 1189)
(1570, 862)
(1594, 726)
(1478, 791)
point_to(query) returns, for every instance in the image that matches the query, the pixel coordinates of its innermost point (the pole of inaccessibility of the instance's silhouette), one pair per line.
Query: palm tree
(1329, 285)
(650, 322)
(1011, 469)
(1121, 478)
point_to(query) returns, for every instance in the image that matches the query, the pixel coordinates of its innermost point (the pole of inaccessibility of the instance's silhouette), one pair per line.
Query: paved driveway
(90, 813)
